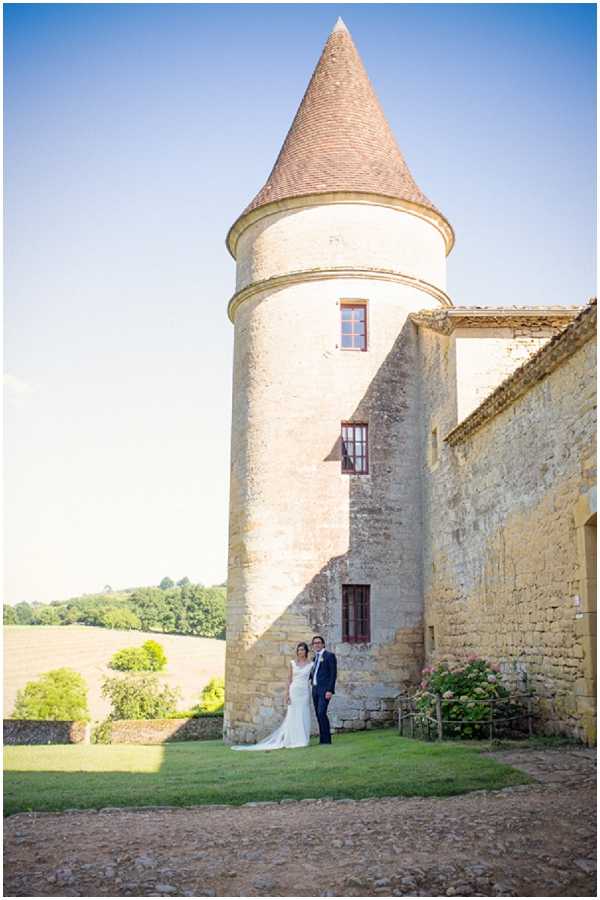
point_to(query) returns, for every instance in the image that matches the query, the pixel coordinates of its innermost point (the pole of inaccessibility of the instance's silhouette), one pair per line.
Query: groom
(322, 675)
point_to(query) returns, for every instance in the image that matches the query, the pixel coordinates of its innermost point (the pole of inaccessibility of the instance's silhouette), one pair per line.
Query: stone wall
(30, 731)
(123, 731)
(486, 356)
(162, 731)
(324, 236)
(502, 554)
(299, 528)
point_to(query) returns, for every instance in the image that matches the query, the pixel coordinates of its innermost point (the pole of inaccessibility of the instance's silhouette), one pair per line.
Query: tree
(166, 583)
(47, 615)
(118, 617)
(206, 612)
(59, 695)
(71, 615)
(157, 659)
(139, 697)
(151, 607)
(9, 615)
(24, 614)
(183, 582)
(107, 589)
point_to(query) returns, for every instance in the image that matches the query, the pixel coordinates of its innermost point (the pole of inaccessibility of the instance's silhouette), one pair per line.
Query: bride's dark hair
(302, 644)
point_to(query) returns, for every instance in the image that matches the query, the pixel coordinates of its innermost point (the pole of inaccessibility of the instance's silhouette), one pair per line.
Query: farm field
(30, 651)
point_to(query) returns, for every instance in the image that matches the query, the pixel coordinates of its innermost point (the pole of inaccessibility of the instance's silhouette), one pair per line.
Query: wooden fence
(411, 719)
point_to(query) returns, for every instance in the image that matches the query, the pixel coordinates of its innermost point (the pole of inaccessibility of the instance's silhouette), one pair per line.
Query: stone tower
(333, 254)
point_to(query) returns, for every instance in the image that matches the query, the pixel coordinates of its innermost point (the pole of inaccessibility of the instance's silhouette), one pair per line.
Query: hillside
(30, 651)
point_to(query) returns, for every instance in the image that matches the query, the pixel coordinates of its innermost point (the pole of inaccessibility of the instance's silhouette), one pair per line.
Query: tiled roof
(340, 139)
(445, 321)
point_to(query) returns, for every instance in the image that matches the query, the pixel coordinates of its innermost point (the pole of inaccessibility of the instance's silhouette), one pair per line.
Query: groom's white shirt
(317, 664)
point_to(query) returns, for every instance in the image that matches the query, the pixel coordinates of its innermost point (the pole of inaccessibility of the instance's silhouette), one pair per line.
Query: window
(356, 613)
(354, 326)
(355, 454)
(431, 638)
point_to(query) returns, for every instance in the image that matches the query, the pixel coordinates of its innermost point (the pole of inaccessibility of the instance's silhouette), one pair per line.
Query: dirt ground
(530, 841)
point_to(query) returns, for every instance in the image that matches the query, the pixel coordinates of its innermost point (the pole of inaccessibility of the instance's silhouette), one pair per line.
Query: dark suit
(326, 676)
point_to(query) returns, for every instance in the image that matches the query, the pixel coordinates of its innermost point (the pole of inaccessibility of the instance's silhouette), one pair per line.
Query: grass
(366, 764)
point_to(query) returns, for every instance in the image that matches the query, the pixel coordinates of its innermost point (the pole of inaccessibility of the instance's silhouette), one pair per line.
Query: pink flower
(427, 670)
(491, 678)
(423, 685)
(448, 695)
(472, 658)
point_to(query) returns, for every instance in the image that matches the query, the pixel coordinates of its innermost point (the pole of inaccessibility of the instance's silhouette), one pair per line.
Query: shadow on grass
(369, 764)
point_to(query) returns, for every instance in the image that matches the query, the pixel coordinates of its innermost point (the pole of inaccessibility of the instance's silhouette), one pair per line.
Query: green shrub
(130, 659)
(212, 697)
(197, 713)
(150, 657)
(139, 697)
(9, 615)
(463, 690)
(59, 695)
(157, 659)
(102, 732)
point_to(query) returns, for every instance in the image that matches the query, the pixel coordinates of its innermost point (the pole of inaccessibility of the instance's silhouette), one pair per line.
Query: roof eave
(315, 199)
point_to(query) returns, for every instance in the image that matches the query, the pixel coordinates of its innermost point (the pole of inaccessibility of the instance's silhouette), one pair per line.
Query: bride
(294, 731)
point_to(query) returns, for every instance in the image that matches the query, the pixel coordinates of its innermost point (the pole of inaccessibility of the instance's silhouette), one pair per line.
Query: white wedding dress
(294, 731)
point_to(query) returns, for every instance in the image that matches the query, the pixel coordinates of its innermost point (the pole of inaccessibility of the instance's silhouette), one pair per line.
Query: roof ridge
(340, 25)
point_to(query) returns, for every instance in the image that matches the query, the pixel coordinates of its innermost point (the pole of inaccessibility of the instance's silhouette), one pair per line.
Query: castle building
(410, 479)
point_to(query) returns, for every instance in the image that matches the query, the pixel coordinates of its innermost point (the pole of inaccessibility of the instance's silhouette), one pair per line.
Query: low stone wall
(160, 731)
(124, 731)
(35, 731)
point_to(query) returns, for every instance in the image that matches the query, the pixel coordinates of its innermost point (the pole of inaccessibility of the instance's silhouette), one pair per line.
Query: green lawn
(365, 764)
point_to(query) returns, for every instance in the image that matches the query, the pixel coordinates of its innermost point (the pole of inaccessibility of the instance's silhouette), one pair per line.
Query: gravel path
(529, 841)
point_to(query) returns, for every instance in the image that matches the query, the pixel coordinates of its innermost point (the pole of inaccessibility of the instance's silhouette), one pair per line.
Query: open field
(365, 764)
(30, 651)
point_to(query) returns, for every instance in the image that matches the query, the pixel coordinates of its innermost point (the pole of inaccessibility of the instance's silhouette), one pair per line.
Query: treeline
(182, 608)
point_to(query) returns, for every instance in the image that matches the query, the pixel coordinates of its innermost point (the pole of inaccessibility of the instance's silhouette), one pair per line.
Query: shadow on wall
(384, 551)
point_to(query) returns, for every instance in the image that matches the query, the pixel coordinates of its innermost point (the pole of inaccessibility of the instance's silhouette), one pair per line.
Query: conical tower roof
(340, 140)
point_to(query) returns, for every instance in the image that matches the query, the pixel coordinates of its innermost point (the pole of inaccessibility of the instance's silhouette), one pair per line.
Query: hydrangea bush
(463, 688)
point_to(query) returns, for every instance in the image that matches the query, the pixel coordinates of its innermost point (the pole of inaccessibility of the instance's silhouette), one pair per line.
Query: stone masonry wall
(502, 569)
(37, 731)
(123, 731)
(162, 731)
(341, 234)
(299, 528)
(486, 356)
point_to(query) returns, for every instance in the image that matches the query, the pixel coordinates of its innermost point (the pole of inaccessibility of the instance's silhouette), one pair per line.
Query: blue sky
(134, 136)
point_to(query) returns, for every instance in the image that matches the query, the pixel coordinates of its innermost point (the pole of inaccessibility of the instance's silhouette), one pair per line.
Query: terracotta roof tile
(340, 139)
